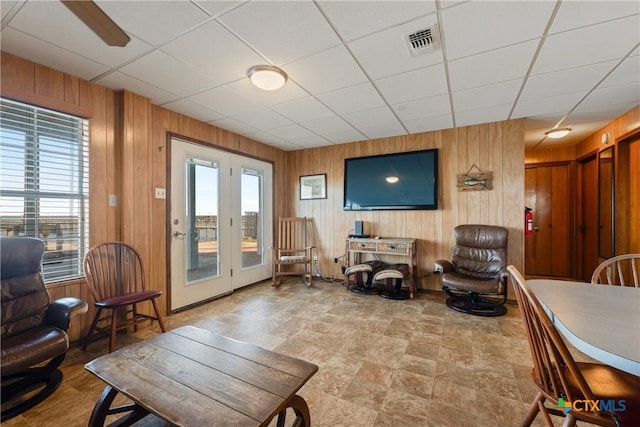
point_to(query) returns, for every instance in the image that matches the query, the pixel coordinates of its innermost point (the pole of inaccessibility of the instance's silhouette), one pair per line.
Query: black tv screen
(392, 181)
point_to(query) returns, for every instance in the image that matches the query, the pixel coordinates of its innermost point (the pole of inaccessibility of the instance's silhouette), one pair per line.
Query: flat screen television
(392, 181)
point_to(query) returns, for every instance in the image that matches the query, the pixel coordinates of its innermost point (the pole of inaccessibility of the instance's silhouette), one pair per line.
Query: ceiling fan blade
(98, 21)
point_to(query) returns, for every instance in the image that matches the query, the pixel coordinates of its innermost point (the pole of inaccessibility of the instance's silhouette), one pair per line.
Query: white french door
(221, 216)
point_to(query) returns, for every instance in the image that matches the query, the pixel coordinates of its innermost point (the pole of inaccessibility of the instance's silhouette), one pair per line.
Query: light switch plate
(113, 200)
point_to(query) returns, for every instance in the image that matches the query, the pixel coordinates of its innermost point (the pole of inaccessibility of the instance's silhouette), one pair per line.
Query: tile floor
(382, 362)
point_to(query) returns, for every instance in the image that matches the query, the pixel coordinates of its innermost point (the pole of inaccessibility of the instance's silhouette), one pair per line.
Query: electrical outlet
(335, 260)
(315, 259)
(161, 193)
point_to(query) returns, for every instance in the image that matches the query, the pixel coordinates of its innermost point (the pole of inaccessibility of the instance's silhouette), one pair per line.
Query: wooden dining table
(601, 321)
(193, 377)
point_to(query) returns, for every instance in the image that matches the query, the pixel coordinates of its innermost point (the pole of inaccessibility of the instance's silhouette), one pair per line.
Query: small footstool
(393, 276)
(358, 271)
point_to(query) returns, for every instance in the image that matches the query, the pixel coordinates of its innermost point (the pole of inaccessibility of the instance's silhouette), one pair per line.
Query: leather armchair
(476, 277)
(33, 328)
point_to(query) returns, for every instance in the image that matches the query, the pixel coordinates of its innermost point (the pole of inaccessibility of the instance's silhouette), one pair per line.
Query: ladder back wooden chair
(293, 254)
(620, 270)
(115, 277)
(562, 381)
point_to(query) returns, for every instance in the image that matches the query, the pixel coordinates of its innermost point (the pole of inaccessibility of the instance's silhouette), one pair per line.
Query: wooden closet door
(548, 193)
(587, 247)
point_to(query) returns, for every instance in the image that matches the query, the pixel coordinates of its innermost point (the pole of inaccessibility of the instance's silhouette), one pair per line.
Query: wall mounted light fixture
(267, 77)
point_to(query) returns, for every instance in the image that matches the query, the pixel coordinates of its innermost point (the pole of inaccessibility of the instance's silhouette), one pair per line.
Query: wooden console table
(192, 377)
(385, 246)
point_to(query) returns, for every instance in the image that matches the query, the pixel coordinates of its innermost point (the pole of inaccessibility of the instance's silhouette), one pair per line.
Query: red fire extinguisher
(528, 221)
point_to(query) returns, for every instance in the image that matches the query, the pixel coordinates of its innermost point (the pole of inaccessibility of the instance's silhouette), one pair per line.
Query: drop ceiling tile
(426, 124)
(612, 95)
(386, 53)
(371, 117)
(233, 125)
(344, 136)
(565, 81)
(588, 45)
(263, 118)
(576, 14)
(290, 132)
(354, 98)
(266, 138)
(538, 106)
(311, 141)
(421, 83)
(425, 107)
(204, 47)
(328, 70)
(495, 24)
(224, 99)
(353, 19)
(36, 50)
(627, 72)
(606, 112)
(6, 6)
(160, 69)
(325, 125)
(191, 109)
(491, 67)
(118, 81)
(289, 92)
(545, 122)
(156, 22)
(486, 96)
(383, 131)
(482, 115)
(42, 19)
(282, 31)
(303, 109)
(218, 7)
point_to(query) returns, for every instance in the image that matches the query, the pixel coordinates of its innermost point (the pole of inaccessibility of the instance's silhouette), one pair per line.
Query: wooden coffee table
(193, 377)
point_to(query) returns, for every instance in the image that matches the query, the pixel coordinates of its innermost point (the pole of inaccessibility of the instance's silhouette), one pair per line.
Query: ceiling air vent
(420, 41)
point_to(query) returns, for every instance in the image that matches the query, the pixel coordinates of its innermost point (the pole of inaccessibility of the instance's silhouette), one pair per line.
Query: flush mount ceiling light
(558, 132)
(392, 179)
(266, 77)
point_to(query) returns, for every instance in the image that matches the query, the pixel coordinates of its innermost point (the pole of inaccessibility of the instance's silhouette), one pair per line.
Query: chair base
(396, 294)
(365, 289)
(477, 308)
(36, 383)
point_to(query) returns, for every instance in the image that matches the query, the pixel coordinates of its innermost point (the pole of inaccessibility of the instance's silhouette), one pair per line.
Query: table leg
(299, 406)
(103, 409)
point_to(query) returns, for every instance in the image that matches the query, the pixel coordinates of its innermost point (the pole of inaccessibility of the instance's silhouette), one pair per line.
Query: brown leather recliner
(476, 278)
(33, 327)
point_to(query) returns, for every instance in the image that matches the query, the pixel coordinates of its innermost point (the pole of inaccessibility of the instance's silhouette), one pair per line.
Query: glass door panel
(252, 239)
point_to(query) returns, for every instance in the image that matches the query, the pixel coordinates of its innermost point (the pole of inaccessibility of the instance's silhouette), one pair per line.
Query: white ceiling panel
(154, 23)
(576, 14)
(329, 70)
(303, 110)
(352, 76)
(118, 80)
(386, 53)
(491, 67)
(425, 107)
(42, 20)
(590, 45)
(565, 81)
(41, 52)
(282, 31)
(486, 96)
(421, 83)
(224, 99)
(194, 110)
(354, 98)
(160, 69)
(204, 47)
(354, 19)
(479, 26)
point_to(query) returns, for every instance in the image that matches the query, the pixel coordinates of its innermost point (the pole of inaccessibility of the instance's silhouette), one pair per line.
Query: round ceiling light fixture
(267, 77)
(557, 133)
(392, 179)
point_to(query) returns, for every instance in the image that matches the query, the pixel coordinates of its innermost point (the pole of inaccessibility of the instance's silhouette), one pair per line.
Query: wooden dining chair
(620, 270)
(571, 387)
(293, 254)
(115, 277)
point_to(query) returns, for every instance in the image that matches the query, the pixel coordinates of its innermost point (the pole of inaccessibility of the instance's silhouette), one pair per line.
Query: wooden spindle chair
(293, 254)
(620, 270)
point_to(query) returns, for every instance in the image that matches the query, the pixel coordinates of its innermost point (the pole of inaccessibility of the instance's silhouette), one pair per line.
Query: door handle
(178, 235)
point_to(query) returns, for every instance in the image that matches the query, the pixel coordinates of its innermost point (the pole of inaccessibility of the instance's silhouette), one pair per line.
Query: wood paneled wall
(496, 147)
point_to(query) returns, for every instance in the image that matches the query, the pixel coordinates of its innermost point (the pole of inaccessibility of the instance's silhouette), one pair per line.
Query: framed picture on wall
(313, 186)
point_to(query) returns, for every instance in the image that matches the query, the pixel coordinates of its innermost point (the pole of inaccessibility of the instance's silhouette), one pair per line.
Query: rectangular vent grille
(420, 42)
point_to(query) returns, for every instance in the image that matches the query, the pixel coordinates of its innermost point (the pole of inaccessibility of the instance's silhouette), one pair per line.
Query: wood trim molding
(31, 98)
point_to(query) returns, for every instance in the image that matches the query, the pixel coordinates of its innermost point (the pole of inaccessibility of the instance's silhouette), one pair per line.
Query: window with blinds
(44, 184)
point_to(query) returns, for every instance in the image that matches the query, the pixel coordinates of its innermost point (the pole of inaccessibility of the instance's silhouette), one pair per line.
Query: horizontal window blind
(44, 184)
